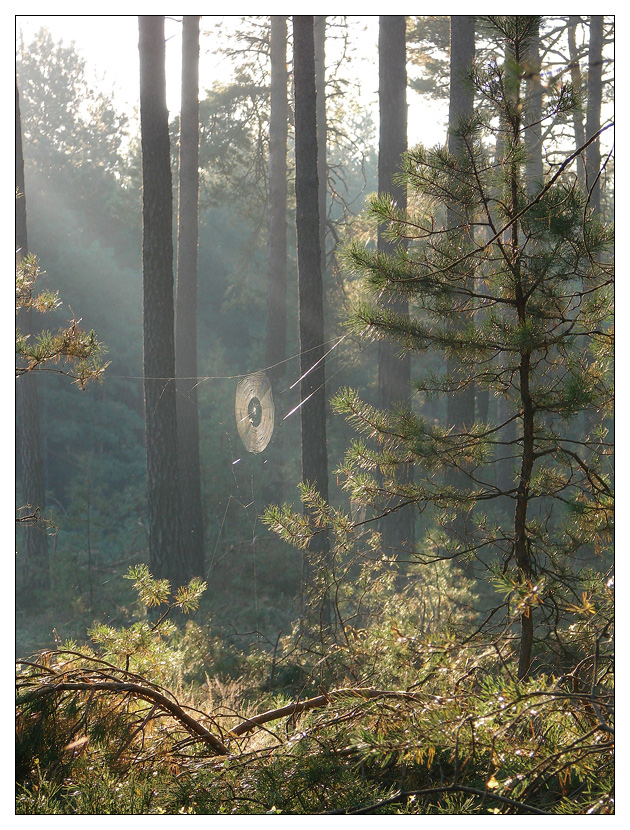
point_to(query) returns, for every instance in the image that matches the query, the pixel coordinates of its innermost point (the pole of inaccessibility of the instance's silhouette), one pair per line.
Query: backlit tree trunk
(186, 300)
(394, 371)
(276, 337)
(164, 496)
(460, 406)
(34, 549)
(310, 294)
(276, 347)
(576, 80)
(594, 108)
(533, 116)
(319, 37)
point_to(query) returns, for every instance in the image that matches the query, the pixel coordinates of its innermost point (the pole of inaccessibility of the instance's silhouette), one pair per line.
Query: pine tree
(538, 267)
(396, 524)
(35, 548)
(164, 495)
(186, 299)
(310, 294)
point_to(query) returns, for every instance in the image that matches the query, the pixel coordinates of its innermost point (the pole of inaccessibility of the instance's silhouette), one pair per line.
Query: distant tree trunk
(164, 496)
(310, 294)
(186, 300)
(593, 151)
(276, 339)
(594, 108)
(576, 80)
(319, 36)
(460, 405)
(276, 345)
(534, 108)
(35, 543)
(394, 371)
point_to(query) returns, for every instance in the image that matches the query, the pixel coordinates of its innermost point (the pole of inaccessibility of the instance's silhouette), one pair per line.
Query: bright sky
(109, 44)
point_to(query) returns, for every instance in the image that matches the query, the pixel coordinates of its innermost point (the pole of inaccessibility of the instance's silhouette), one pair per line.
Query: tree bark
(35, 543)
(594, 108)
(533, 116)
(186, 300)
(319, 37)
(460, 406)
(460, 403)
(521, 540)
(394, 371)
(276, 336)
(164, 497)
(310, 291)
(276, 347)
(576, 80)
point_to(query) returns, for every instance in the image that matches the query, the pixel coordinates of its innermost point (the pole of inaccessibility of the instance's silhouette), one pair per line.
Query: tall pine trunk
(520, 50)
(394, 372)
(186, 300)
(533, 116)
(164, 497)
(34, 545)
(310, 291)
(460, 405)
(594, 108)
(319, 37)
(576, 80)
(593, 151)
(276, 337)
(460, 402)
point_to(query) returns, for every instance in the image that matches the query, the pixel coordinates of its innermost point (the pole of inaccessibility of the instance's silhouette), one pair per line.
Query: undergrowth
(390, 718)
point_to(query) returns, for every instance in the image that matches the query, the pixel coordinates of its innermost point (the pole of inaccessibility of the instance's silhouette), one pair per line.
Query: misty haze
(314, 415)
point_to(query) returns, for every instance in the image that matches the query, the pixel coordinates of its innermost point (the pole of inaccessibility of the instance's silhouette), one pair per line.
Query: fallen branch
(139, 691)
(314, 703)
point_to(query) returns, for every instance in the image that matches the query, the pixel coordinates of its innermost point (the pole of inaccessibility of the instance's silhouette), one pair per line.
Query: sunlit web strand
(246, 374)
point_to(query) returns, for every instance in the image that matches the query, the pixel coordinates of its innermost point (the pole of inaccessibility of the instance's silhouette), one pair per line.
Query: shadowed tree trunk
(394, 371)
(276, 339)
(593, 151)
(533, 116)
(594, 108)
(164, 497)
(186, 305)
(460, 406)
(34, 548)
(319, 36)
(460, 403)
(310, 295)
(576, 80)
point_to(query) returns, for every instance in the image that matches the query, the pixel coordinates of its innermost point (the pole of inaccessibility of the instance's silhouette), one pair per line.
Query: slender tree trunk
(576, 80)
(310, 293)
(276, 338)
(276, 346)
(521, 543)
(394, 371)
(507, 450)
(319, 36)
(164, 495)
(186, 305)
(533, 116)
(593, 151)
(35, 544)
(460, 405)
(594, 108)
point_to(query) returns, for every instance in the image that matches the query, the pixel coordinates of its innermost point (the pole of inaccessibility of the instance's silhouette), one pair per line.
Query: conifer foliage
(531, 276)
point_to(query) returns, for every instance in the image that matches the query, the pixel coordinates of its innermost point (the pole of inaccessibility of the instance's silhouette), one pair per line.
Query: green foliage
(434, 722)
(71, 346)
(410, 660)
